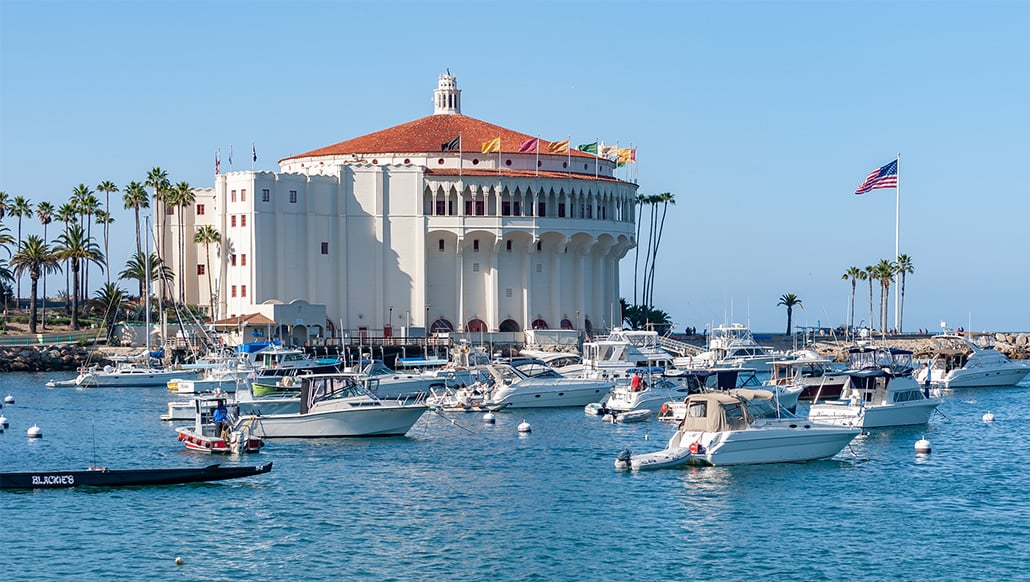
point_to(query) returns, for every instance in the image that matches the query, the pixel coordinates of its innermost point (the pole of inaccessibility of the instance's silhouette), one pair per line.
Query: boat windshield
(766, 409)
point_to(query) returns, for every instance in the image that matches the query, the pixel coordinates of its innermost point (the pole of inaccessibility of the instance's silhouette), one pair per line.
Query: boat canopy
(714, 412)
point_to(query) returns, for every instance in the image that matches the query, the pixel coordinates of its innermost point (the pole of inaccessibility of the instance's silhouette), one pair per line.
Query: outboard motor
(622, 462)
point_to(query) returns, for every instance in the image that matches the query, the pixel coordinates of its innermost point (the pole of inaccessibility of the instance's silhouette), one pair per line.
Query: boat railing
(678, 347)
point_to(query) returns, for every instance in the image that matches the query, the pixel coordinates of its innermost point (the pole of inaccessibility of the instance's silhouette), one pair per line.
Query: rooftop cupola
(447, 96)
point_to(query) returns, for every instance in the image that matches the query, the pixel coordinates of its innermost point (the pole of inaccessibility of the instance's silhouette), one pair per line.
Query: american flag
(882, 177)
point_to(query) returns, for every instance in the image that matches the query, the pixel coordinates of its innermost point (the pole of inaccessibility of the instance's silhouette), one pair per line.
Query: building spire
(447, 96)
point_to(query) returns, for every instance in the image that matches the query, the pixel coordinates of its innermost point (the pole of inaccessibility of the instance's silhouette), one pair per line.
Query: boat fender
(665, 408)
(696, 448)
(287, 382)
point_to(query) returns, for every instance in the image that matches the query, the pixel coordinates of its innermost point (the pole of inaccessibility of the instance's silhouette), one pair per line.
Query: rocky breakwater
(44, 358)
(1016, 346)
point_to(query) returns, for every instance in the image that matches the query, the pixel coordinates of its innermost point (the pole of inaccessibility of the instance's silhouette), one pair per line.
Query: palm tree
(207, 235)
(45, 214)
(136, 268)
(903, 267)
(21, 208)
(666, 199)
(649, 255)
(884, 271)
(88, 207)
(135, 197)
(34, 257)
(853, 273)
(6, 291)
(870, 274)
(641, 200)
(5, 204)
(182, 196)
(6, 238)
(107, 187)
(75, 246)
(107, 304)
(67, 214)
(789, 300)
(158, 180)
(105, 218)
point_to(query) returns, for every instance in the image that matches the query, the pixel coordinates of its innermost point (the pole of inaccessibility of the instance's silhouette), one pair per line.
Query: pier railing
(48, 339)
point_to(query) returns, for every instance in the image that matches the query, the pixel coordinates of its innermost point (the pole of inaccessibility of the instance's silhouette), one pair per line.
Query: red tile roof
(428, 134)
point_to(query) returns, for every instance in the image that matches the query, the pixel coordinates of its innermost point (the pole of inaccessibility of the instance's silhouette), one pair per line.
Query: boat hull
(351, 422)
(125, 477)
(551, 394)
(981, 379)
(806, 442)
(846, 414)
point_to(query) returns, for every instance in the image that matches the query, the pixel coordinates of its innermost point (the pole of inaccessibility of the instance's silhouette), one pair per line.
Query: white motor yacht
(733, 346)
(532, 384)
(122, 375)
(616, 356)
(337, 405)
(741, 427)
(879, 395)
(813, 374)
(956, 367)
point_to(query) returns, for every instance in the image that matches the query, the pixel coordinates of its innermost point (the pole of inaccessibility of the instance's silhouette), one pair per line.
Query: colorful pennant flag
(253, 152)
(530, 145)
(882, 177)
(451, 146)
(558, 147)
(492, 146)
(590, 148)
(627, 156)
(609, 151)
(218, 160)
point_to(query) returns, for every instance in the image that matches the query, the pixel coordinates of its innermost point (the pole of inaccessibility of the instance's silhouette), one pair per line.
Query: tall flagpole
(897, 245)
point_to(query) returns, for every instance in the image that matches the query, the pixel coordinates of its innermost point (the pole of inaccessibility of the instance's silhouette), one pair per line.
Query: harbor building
(444, 223)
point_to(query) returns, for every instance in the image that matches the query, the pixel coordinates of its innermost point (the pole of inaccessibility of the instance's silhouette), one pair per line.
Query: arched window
(441, 326)
(509, 325)
(540, 324)
(476, 326)
(566, 324)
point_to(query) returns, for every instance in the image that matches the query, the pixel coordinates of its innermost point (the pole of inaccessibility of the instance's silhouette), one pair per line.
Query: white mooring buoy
(524, 427)
(8, 399)
(35, 432)
(988, 417)
(3, 422)
(489, 418)
(922, 447)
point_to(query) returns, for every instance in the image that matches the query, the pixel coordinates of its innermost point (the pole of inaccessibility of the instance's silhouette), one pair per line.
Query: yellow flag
(627, 155)
(492, 146)
(558, 147)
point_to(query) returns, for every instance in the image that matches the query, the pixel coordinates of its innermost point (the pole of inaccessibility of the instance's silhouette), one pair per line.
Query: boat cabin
(873, 386)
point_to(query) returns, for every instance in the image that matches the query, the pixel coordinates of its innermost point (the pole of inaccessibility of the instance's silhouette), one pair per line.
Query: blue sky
(761, 117)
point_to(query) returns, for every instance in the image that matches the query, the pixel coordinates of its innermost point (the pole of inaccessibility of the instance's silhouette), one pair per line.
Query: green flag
(590, 148)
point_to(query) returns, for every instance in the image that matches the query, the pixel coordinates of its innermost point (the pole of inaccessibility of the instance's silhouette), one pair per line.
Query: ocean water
(460, 500)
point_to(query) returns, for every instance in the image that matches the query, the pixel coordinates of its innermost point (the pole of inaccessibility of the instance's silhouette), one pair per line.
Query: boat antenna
(93, 423)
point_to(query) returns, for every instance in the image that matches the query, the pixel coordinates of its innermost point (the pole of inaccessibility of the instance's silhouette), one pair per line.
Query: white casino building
(390, 230)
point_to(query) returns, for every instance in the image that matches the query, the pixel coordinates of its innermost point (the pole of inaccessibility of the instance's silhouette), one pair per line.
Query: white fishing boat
(393, 384)
(741, 427)
(615, 357)
(616, 417)
(882, 393)
(961, 363)
(534, 384)
(337, 405)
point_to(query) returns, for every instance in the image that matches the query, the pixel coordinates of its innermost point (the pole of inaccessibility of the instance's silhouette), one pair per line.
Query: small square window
(539, 268)
(233, 196)
(507, 292)
(243, 260)
(508, 245)
(232, 220)
(475, 245)
(538, 245)
(232, 260)
(169, 210)
(325, 248)
(200, 209)
(265, 195)
(293, 196)
(441, 245)
(243, 195)
(200, 269)
(243, 220)
(233, 289)
(475, 267)
(243, 291)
